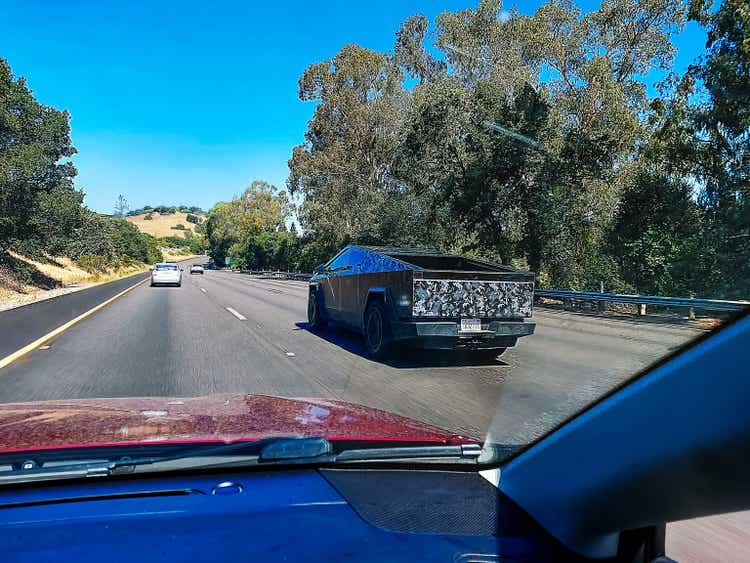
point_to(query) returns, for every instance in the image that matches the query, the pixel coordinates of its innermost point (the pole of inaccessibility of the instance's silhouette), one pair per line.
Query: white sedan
(196, 269)
(166, 273)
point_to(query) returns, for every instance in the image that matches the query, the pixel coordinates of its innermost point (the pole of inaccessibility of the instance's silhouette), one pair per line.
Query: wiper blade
(273, 450)
(278, 451)
(464, 451)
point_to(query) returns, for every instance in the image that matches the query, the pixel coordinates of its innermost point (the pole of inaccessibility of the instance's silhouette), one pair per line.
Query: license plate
(471, 325)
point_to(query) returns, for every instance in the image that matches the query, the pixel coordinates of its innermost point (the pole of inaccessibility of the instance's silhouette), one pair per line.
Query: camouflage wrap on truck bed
(472, 298)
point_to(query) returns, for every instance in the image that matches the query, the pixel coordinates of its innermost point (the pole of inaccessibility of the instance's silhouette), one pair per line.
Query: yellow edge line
(39, 341)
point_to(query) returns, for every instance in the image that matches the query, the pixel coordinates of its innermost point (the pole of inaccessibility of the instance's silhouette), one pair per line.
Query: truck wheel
(486, 356)
(314, 314)
(378, 337)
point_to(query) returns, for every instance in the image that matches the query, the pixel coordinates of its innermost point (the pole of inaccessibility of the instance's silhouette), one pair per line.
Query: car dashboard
(283, 515)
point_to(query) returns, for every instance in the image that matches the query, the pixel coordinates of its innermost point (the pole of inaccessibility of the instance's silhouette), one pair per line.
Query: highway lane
(25, 324)
(185, 342)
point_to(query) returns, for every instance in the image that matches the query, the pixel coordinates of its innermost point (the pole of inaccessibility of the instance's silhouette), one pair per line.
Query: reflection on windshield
(520, 208)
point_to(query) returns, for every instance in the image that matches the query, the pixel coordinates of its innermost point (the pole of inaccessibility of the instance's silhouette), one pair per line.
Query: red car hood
(92, 422)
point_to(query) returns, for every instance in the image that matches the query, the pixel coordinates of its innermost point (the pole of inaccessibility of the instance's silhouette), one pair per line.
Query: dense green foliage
(112, 240)
(533, 140)
(250, 228)
(166, 209)
(38, 203)
(195, 244)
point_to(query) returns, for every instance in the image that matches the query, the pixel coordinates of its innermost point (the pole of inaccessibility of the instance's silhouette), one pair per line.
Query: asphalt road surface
(228, 332)
(25, 324)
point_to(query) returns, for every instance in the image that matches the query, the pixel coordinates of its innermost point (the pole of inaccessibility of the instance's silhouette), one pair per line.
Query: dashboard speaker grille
(443, 502)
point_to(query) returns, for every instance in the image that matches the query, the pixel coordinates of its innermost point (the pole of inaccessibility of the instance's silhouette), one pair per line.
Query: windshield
(520, 208)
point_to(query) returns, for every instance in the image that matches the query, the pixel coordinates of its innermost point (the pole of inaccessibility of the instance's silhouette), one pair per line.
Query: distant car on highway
(427, 298)
(166, 273)
(196, 269)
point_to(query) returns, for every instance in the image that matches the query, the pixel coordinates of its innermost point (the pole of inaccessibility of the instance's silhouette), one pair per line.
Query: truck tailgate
(474, 298)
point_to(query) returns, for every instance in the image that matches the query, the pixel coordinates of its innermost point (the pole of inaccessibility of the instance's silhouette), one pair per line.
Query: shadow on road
(404, 357)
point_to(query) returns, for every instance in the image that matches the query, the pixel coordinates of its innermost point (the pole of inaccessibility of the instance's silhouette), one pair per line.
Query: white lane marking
(236, 314)
(203, 289)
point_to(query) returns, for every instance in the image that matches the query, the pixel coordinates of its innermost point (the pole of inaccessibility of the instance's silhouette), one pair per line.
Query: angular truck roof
(428, 259)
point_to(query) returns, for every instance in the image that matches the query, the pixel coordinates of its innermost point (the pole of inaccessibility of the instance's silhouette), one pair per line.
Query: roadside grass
(162, 225)
(23, 280)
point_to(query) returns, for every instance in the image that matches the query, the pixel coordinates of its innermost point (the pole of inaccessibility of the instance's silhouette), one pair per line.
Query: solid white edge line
(236, 314)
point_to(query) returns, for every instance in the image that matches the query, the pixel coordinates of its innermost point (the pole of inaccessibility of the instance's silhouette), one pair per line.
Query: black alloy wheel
(378, 337)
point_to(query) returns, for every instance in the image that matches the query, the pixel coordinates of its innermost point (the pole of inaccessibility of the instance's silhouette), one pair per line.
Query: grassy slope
(161, 225)
(23, 280)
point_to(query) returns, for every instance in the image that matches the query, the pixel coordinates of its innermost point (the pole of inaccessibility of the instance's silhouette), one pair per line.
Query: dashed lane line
(236, 314)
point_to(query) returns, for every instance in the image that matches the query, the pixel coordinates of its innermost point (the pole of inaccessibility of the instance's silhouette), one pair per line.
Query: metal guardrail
(564, 294)
(653, 300)
(277, 274)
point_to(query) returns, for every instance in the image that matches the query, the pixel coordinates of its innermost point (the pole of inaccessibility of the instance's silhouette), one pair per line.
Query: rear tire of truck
(378, 337)
(486, 356)
(315, 318)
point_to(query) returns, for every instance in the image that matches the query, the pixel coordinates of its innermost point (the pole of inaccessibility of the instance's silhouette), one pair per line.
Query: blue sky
(187, 102)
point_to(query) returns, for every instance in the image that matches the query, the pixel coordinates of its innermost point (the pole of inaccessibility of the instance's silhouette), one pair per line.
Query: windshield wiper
(410, 453)
(278, 451)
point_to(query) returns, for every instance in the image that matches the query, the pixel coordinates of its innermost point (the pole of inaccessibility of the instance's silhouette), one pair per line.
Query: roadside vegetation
(558, 141)
(47, 236)
(251, 231)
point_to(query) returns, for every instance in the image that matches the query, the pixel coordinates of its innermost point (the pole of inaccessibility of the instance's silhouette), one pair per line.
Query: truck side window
(355, 257)
(340, 260)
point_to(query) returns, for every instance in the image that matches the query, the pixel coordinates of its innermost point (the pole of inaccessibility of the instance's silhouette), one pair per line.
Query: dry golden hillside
(23, 280)
(161, 225)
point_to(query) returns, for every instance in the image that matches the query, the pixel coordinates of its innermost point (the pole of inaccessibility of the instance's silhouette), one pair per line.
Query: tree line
(164, 210)
(534, 140)
(251, 230)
